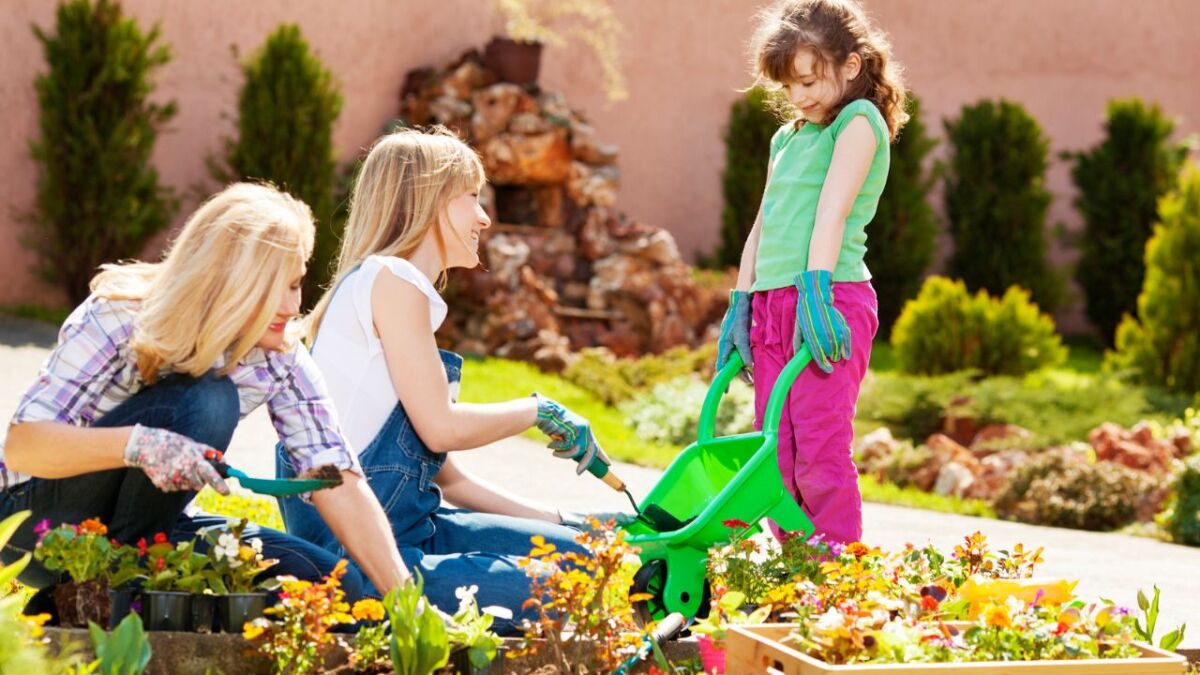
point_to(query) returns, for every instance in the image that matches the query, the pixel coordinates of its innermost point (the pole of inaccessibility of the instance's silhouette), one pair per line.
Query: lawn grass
(491, 379)
(889, 493)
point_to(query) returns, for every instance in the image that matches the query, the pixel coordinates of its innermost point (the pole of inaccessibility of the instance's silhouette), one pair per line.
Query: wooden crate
(755, 650)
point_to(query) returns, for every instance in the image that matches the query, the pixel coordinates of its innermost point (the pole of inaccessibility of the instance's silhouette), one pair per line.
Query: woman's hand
(172, 461)
(570, 435)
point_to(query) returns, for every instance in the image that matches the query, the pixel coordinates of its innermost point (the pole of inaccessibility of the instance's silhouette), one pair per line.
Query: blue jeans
(449, 547)
(205, 409)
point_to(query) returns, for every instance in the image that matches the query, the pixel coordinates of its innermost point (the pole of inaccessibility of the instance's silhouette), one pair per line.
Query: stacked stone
(563, 269)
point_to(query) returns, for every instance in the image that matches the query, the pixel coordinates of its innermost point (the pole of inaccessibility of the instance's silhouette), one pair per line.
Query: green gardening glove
(818, 323)
(571, 437)
(735, 334)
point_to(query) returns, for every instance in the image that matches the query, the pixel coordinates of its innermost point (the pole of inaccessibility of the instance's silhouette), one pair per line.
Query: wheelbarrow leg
(684, 590)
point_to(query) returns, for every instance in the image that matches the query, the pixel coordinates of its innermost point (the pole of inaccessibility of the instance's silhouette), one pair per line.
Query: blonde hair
(220, 283)
(404, 186)
(832, 29)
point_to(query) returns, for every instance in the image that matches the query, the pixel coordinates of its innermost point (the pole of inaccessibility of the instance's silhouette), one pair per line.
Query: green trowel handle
(779, 393)
(269, 487)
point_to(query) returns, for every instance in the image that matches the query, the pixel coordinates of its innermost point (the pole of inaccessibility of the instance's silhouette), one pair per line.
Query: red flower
(929, 602)
(141, 545)
(160, 538)
(735, 524)
(1061, 628)
(114, 542)
(160, 564)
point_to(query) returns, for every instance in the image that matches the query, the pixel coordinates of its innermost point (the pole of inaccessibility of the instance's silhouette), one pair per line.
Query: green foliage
(615, 380)
(888, 493)
(286, 111)
(670, 411)
(98, 197)
(1056, 407)
(946, 329)
(500, 380)
(752, 123)
(419, 643)
(901, 241)
(125, 651)
(996, 200)
(1162, 345)
(1064, 488)
(1183, 510)
(1145, 631)
(1120, 182)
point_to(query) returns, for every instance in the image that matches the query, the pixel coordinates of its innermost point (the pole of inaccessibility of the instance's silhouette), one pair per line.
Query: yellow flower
(997, 616)
(369, 609)
(36, 621)
(253, 629)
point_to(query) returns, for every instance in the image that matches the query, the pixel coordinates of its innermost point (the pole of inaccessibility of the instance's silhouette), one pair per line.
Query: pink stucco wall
(685, 59)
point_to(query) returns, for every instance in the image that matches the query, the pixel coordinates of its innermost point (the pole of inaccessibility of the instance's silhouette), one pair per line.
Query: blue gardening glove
(570, 436)
(818, 323)
(735, 334)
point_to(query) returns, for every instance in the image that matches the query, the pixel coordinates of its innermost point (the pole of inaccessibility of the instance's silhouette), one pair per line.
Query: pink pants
(815, 434)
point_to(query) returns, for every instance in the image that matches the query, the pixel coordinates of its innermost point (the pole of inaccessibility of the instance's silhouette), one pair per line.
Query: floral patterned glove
(171, 461)
(570, 435)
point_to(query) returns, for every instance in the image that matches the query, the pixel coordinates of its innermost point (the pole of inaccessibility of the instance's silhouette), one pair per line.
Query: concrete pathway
(1107, 565)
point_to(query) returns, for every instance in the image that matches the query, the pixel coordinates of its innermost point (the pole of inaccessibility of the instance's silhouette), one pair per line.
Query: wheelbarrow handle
(779, 393)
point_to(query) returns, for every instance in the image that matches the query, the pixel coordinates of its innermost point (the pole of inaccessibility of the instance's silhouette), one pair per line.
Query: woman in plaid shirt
(157, 367)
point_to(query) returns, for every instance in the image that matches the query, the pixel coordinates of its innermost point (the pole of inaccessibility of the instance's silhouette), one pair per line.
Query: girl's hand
(735, 334)
(171, 461)
(818, 323)
(570, 435)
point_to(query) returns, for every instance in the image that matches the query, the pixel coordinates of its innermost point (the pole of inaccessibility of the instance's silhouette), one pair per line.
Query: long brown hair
(833, 30)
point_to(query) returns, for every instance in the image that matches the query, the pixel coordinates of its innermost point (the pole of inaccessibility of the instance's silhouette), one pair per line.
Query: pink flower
(42, 528)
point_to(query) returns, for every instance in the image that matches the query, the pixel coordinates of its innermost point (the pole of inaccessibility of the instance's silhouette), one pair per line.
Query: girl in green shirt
(802, 278)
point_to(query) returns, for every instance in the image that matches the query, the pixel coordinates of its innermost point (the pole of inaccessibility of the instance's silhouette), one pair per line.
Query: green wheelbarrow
(713, 480)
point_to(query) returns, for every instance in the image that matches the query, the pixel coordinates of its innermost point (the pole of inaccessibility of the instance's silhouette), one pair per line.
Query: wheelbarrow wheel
(651, 580)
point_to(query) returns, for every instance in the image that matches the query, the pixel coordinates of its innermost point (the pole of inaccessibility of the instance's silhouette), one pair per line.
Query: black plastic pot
(512, 61)
(204, 613)
(125, 600)
(235, 609)
(167, 610)
(460, 662)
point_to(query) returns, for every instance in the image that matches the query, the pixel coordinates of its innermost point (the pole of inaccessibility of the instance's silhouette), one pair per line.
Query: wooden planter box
(752, 650)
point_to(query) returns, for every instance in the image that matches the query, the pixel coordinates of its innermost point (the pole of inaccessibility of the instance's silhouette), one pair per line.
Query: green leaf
(10, 524)
(1171, 640)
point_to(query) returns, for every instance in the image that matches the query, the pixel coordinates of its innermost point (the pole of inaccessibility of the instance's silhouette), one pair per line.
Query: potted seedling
(127, 574)
(175, 572)
(84, 554)
(473, 643)
(237, 575)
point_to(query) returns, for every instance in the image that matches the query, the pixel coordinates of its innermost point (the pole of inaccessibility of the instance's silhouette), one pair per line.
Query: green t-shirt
(801, 158)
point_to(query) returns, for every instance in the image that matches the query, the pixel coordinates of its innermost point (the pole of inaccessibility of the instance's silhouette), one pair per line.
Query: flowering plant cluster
(173, 567)
(237, 561)
(582, 600)
(83, 551)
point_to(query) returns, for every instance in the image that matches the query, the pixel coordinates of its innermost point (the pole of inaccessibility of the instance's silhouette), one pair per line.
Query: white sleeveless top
(350, 355)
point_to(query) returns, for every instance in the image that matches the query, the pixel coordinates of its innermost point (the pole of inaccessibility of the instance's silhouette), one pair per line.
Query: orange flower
(369, 609)
(92, 526)
(997, 616)
(858, 549)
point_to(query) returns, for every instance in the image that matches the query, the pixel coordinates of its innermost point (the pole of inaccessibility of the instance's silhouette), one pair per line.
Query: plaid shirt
(93, 370)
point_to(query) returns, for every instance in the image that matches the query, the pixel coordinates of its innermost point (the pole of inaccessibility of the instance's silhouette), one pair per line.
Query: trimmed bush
(752, 122)
(1120, 182)
(615, 380)
(1062, 488)
(98, 197)
(900, 240)
(1183, 511)
(946, 329)
(1162, 345)
(286, 111)
(996, 201)
(670, 411)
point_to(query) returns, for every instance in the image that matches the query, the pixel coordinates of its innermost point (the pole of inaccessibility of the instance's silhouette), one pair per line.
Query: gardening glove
(818, 323)
(570, 436)
(172, 461)
(735, 334)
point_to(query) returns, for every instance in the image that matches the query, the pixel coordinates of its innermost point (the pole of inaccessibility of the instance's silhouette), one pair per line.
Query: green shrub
(1183, 511)
(1162, 345)
(1062, 488)
(98, 197)
(1056, 409)
(946, 329)
(901, 242)
(615, 380)
(1120, 182)
(747, 144)
(286, 111)
(670, 411)
(996, 201)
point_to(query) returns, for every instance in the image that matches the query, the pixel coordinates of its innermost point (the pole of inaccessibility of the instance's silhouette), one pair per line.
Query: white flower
(831, 620)
(498, 612)
(466, 592)
(257, 545)
(227, 547)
